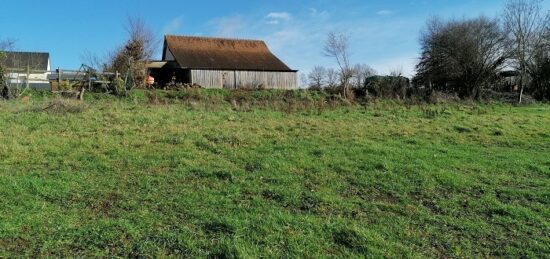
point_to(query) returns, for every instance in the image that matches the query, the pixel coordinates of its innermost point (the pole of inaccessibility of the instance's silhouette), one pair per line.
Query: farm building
(27, 68)
(221, 63)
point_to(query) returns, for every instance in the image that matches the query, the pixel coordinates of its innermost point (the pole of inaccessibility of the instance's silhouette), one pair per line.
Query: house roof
(218, 53)
(22, 60)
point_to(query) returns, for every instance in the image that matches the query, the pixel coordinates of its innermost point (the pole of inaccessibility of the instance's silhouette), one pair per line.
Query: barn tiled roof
(22, 60)
(218, 53)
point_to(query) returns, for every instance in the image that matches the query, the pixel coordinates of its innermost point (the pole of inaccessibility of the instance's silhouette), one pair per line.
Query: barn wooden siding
(232, 79)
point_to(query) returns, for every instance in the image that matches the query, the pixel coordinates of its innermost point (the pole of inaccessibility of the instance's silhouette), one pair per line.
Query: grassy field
(127, 178)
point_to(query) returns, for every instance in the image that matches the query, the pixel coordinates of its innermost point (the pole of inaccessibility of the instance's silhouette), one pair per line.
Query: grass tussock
(59, 106)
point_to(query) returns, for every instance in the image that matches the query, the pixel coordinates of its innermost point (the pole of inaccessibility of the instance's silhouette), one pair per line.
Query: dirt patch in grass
(107, 205)
(351, 239)
(216, 227)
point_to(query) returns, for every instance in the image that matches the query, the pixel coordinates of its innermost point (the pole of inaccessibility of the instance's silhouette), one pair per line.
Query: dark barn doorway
(166, 73)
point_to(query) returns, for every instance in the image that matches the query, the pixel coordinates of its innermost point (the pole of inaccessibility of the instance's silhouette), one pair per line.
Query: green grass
(124, 178)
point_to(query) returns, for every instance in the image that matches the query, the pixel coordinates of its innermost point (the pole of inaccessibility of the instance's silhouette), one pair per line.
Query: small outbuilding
(221, 63)
(27, 68)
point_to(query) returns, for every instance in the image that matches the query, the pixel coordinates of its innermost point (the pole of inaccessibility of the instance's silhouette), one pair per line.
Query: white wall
(20, 78)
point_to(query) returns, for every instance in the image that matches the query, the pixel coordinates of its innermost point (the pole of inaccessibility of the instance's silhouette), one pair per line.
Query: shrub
(119, 88)
(3, 85)
(432, 113)
(65, 85)
(387, 86)
(154, 98)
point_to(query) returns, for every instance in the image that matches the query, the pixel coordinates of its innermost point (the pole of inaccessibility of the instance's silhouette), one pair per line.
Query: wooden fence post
(28, 75)
(89, 76)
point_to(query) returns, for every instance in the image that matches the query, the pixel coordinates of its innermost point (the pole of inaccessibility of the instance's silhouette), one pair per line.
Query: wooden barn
(221, 63)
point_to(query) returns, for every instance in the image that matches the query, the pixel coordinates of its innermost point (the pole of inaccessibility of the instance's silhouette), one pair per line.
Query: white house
(27, 68)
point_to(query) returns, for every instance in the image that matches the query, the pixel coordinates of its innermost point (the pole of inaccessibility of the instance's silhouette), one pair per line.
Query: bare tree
(361, 72)
(396, 71)
(337, 47)
(142, 43)
(317, 77)
(93, 60)
(332, 78)
(304, 83)
(136, 52)
(526, 25)
(461, 56)
(7, 45)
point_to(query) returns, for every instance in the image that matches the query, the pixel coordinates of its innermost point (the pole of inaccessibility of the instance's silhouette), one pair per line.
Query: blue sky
(384, 34)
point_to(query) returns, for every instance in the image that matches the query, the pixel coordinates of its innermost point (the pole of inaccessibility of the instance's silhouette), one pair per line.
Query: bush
(386, 86)
(4, 91)
(65, 85)
(506, 97)
(119, 88)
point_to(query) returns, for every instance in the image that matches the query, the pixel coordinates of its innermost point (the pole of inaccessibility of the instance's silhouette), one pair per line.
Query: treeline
(466, 57)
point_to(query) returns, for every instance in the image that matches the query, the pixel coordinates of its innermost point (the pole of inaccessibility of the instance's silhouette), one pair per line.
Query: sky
(383, 33)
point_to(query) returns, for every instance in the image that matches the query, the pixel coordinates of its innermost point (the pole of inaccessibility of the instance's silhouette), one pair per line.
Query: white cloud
(384, 12)
(298, 38)
(173, 26)
(276, 18)
(281, 16)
